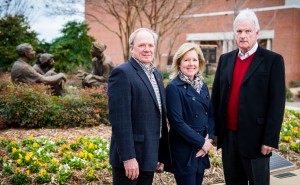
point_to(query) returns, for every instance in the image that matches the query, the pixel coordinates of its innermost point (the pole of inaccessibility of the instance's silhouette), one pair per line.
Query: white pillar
(224, 48)
(230, 45)
(269, 45)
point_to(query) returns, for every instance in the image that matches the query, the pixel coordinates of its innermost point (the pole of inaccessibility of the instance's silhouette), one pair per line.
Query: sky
(48, 27)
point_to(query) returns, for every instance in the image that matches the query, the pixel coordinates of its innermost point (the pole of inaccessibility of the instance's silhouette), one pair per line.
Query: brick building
(211, 27)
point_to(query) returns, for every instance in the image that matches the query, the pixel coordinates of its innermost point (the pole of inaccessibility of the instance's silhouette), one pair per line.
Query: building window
(210, 53)
(170, 59)
(262, 43)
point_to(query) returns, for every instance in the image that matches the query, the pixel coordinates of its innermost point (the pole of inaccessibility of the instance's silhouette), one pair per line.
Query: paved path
(293, 106)
(292, 180)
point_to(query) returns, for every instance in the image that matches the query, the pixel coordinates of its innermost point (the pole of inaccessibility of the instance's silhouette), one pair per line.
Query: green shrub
(19, 178)
(32, 106)
(294, 84)
(288, 95)
(209, 79)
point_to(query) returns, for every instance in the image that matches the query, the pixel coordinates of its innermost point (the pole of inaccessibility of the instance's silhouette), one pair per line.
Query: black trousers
(119, 178)
(240, 170)
(192, 179)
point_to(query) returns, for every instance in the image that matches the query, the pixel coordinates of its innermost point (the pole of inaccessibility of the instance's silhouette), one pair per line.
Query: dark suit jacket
(261, 103)
(191, 117)
(135, 117)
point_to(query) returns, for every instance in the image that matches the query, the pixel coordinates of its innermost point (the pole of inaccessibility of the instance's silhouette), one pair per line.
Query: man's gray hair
(133, 35)
(246, 14)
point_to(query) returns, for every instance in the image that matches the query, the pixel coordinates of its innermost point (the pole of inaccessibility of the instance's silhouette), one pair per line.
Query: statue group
(44, 71)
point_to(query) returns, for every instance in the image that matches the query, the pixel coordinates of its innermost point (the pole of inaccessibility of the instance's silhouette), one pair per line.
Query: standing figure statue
(23, 72)
(101, 67)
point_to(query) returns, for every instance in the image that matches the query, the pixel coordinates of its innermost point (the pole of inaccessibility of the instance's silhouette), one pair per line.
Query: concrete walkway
(293, 106)
(293, 179)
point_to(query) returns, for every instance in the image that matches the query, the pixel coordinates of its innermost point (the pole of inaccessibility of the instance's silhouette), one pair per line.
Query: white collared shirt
(247, 54)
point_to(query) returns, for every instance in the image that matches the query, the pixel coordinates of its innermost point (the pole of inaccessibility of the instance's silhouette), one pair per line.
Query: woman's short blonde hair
(183, 49)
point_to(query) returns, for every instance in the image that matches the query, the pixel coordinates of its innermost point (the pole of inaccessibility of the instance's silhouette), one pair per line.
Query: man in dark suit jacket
(137, 113)
(249, 98)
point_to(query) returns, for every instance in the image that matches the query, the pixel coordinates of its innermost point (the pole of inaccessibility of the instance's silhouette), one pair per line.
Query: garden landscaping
(47, 153)
(65, 140)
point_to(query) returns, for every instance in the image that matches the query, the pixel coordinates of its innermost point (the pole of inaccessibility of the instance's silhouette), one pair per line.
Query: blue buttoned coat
(190, 116)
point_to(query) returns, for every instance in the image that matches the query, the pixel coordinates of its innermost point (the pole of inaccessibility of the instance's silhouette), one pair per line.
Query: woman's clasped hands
(205, 148)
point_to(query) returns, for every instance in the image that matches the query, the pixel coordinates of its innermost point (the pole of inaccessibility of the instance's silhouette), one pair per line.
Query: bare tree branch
(18, 7)
(163, 16)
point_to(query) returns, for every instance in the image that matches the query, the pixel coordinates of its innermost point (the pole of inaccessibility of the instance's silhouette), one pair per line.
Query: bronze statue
(22, 72)
(101, 68)
(45, 64)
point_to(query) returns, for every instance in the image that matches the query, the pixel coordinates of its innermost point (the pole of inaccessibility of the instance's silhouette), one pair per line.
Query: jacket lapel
(140, 72)
(161, 89)
(257, 59)
(231, 62)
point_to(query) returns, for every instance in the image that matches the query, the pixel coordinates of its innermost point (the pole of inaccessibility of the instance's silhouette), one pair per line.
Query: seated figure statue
(45, 66)
(23, 72)
(101, 68)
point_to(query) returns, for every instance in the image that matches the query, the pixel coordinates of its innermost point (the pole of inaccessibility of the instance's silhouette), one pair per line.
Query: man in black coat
(137, 113)
(249, 98)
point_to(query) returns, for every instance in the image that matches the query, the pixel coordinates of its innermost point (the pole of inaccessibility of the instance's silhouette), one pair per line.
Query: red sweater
(240, 69)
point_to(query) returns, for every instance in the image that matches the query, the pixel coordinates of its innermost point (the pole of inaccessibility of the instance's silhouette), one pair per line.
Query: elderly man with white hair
(249, 98)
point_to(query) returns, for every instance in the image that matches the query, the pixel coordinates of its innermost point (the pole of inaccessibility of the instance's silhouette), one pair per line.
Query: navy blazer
(135, 117)
(191, 118)
(261, 103)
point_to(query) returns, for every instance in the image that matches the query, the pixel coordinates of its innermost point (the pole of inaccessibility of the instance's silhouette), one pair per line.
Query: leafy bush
(288, 95)
(72, 50)
(293, 84)
(15, 30)
(32, 106)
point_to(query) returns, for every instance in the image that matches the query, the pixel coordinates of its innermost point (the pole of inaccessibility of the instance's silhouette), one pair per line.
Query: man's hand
(131, 168)
(215, 142)
(159, 167)
(265, 150)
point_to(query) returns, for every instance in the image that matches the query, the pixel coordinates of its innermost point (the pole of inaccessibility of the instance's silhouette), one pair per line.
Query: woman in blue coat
(190, 114)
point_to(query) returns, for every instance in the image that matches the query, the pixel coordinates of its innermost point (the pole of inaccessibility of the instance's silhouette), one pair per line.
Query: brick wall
(284, 22)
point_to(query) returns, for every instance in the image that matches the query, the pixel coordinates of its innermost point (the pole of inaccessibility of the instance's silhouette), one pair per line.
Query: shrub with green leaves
(15, 30)
(44, 178)
(20, 178)
(64, 174)
(33, 106)
(72, 49)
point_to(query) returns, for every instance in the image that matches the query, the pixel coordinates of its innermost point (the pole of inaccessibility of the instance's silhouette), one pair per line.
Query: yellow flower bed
(290, 131)
(39, 160)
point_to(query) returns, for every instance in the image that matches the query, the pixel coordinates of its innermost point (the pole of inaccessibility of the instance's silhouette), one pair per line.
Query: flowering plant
(53, 161)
